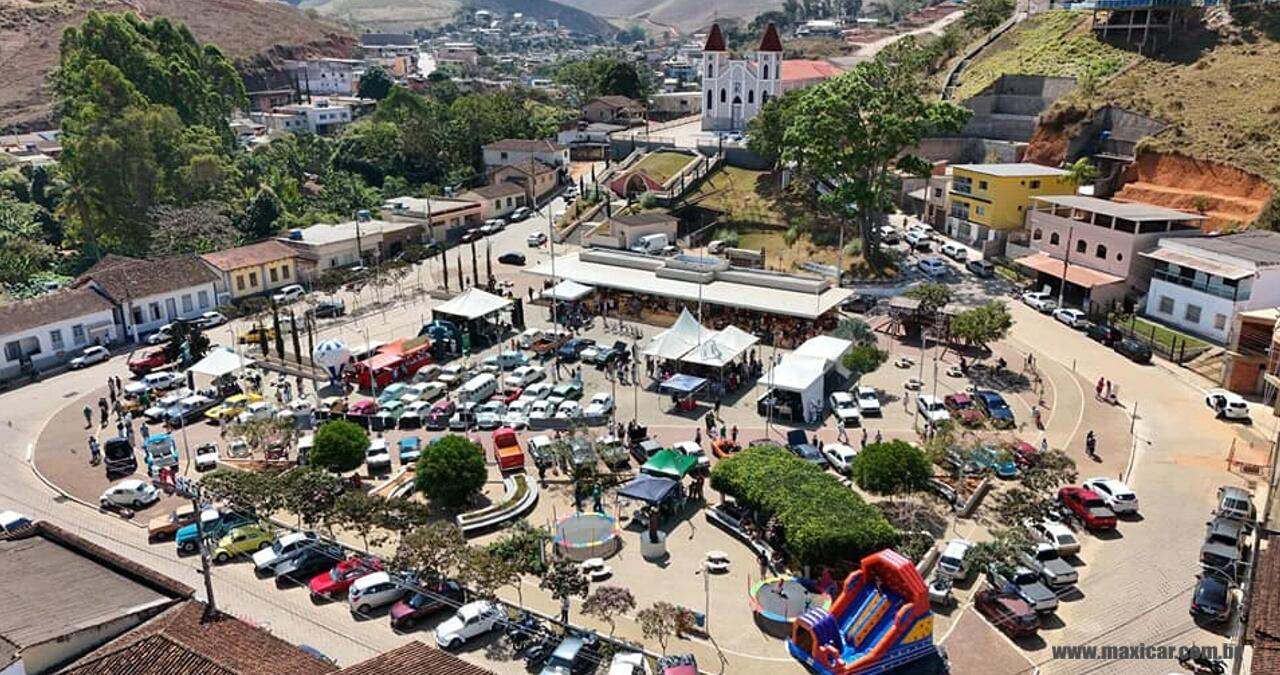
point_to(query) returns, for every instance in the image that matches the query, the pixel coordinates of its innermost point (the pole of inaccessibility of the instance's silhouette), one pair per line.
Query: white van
(478, 389)
(651, 243)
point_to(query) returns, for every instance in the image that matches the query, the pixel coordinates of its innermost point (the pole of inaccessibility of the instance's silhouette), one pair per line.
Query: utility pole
(189, 489)
(1066, 258)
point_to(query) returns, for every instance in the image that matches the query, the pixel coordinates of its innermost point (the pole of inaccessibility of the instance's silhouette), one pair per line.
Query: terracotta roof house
(613, 110)
(1263, 629)
(517, 150)
(151, 293)
(802, 73)
(414, 658)
(45, 331)
(536, 177)
(253, 269)
(65, 596)
(187, 640)
(496, 200)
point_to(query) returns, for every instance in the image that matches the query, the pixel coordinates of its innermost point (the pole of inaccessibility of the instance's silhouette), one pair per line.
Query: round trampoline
(581, 536)
(778, 601)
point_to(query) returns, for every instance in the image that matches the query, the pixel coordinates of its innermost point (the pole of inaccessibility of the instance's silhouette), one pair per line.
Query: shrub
(451, 470)
(891, 467)
(340, 446)
(865, 358)
(823, 522)
(729, 237)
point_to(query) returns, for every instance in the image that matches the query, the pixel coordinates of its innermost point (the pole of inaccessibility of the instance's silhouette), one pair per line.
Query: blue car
(216, 525)
(569, 351)
(410, 450)
(989, 459)
(994, 407)
(798, 442)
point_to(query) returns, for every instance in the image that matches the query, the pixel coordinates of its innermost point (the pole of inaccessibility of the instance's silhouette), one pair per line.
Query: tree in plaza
(854, 330)
(187, 343)
(361, 513)
(607, 603)
(376, 83)
(522, 546)
(1036, 494)
(244, 491)
(855, 132)
(434, 550)
(1003, 549)
(564, 580)
(403, 516)
(932, 296)
(451, 470)
(340, 446)
(981, 326)
(864, 358)
(484, 573)
(267, 433)
(662, 621)
(310, 493)
(891, 467)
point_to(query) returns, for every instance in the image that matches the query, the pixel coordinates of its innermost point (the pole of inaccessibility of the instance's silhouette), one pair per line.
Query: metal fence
(1178, 349)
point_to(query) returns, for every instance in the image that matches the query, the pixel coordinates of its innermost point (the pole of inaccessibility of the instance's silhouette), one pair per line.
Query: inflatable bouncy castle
(880, 621)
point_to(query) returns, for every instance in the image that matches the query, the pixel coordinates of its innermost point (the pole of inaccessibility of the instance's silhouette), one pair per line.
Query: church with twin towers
(734, 90)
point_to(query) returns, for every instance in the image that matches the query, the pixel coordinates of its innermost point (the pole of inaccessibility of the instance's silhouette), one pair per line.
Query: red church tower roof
(770, 42)
(715, 40)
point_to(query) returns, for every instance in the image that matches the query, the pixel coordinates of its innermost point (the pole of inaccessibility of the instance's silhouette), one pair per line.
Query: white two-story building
(47, 331)
(1199, 285)
(519, 150)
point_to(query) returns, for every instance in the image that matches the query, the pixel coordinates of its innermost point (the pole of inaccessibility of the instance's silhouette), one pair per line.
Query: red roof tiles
(770, 42)
(715, 40)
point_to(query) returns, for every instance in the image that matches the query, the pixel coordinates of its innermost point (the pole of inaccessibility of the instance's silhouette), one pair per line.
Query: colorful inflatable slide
(879, 621)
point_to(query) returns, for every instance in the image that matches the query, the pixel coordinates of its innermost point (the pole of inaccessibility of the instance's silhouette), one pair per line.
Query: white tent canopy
(568, 291)
(220, 362)
(801, 374)
(685, 334)
(473, 303)
(832, 349)
(723, 347)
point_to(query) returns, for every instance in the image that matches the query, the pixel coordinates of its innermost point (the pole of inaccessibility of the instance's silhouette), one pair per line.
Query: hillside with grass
(407, 15)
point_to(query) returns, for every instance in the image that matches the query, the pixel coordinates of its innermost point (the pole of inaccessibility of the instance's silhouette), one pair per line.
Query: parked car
(868, 401)
(521, 213)
(962, 408)
(985, 458)
(372, 591)
(335, 582)
(438, 417)
(419, 605)
(163, 380)
(569, 658)
(1071, 317)
(536, 238)
(131, 492)
(493, 226)
(860, 302)
(1008, 613)
(89, 356)
(933, 267)
(888, 235)
(256, 412)
(630, 663)
(691, 449)
(1116, 494)
(243, 540)
(1024, 583)
(1234, 503)
(471, 620)
(289, 293)
(798, 442)
(568, 389)
(512, 258)
(1133, 350)
(1226, 532)
(839, 456)
(1227, 404)
(147, 361)
(507, 360)
(216, 524)
(163, 528)
(1213, 599)
(207, 457)
(1040, 301)
(993, 405)
(310, 561)
(1106, 334)
(932, 409)
(162, 335)
(523, 376)
(955, 251)
(463, 418)
(570, 350)
(1088, 507)
(13, 523)
(981, 268)
(211, 320)
(1057, 535)
(953, 562)
(283, 548)
(845, 409)
(918, 241)
(1045, 560)
(327, 309)
(601, 405)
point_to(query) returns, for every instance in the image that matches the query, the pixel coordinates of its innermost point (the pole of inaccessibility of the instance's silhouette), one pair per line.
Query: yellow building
(253, 269)
(986, 202)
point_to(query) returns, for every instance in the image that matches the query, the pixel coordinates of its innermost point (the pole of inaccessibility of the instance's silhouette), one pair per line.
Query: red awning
(1076, 274)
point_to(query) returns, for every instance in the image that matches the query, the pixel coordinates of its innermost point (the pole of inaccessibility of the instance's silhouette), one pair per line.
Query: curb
(67, 496)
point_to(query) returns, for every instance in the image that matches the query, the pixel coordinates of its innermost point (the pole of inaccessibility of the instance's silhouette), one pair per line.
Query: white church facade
(734, 90)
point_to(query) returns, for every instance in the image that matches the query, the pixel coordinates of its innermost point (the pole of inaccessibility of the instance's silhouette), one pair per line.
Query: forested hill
(30, 32)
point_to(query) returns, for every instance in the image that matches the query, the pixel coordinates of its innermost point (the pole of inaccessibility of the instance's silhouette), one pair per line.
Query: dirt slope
(683, 15)
(30, 31)
(1229, 197)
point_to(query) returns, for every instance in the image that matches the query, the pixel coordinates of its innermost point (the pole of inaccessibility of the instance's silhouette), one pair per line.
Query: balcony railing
(1225, 292)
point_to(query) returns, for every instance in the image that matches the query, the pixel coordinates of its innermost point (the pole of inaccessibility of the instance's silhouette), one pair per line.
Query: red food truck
(393, 362)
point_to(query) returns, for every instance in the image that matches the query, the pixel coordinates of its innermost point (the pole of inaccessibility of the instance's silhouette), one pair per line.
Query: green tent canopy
(669, 463)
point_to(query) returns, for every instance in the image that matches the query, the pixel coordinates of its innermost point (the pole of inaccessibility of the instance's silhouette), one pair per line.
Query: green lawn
(661, 166)
(745, 196)
(1161, 335)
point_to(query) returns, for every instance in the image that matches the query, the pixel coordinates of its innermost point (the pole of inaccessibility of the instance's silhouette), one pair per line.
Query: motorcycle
(523, 631)
(1202, 665)
(540, 652)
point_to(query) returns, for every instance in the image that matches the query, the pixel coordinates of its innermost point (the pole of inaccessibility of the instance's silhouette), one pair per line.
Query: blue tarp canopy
(649, 489)
(683, 384)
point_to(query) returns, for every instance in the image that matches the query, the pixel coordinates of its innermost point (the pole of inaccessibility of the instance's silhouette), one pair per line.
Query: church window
(709, 98)
(723, 96)
(766, 71)
(751, 96)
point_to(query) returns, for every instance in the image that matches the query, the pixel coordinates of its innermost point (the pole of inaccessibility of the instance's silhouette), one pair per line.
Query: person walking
(1091, 444)
(1097, 391)
(111, 387)
(88, 416)
(734, 433)
(94, 454)
(879, 436)
(144, 431)
(697, 435)
(864, 438)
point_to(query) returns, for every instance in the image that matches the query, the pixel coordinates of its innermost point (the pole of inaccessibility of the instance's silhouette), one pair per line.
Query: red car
(508, 396)
(1024, 453)
(147, 361)
(1009, 613)
(336, 581)
(962, 408)
(416, 606)
(1088, 507)
(366, 406)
